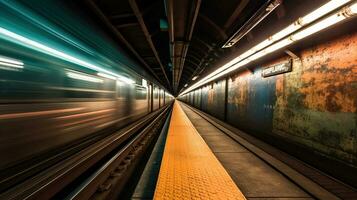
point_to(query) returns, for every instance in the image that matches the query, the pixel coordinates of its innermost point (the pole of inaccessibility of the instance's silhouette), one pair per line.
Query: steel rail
(114, 168)
(52, 180)
(27, 168)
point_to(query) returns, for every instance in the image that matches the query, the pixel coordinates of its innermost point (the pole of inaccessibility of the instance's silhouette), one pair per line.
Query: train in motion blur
(62, 80)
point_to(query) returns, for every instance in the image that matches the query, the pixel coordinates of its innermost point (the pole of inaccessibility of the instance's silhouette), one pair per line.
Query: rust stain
(329, 76)
(240, 83)
(210, 96)
(316, 104)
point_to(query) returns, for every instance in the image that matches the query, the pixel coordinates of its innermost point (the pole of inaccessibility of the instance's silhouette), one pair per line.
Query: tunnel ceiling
(136, 24)
(177, 40)
(216, 22)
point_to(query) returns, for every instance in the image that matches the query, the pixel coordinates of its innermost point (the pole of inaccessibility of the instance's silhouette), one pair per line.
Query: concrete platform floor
(256, 179)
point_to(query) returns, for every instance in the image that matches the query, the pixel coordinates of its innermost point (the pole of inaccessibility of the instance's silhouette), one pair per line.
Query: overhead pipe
(180, 39)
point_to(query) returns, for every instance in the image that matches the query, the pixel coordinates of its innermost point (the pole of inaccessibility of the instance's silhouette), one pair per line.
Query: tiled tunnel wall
(314, 107)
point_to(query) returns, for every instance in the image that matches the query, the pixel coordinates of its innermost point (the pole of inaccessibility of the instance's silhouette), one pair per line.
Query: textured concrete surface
(255, 178)
(189, 169)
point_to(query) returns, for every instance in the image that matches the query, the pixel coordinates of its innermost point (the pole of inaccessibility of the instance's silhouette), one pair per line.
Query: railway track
(98, 169)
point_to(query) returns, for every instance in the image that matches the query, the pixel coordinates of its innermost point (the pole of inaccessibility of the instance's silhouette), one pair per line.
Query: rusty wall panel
(204, 98)
(251, 99)
(215, 99)
(315, 105)
(318, 100)
(192, 95)
(197, 100)
(184, 98)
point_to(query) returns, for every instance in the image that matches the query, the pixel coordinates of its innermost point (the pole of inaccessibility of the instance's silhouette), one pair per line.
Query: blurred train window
(141, 92)
(156, 93)
(121, 90)
(83, 89)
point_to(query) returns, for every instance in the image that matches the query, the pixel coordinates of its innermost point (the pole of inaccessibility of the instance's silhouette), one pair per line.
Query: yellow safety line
(189, 169)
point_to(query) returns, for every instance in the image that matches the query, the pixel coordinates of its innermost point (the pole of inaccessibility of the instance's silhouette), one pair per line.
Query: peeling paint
(329, 76)
(316, 103)
(215, 104)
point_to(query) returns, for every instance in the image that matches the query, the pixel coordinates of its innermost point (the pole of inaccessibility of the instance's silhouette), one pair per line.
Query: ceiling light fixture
(263, 48)
(261, 14)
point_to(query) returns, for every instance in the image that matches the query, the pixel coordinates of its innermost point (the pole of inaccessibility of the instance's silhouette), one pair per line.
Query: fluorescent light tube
(286, 31)
(278, 45)
(323, 10)
(353, 9)
(234, 67)
(329, 21)
(257, 55)
(316, 14)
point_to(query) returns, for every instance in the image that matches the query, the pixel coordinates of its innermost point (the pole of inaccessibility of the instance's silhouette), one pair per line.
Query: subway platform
(203, 160)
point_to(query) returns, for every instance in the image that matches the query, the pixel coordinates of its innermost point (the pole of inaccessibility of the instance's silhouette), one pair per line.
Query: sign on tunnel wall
(277, 69)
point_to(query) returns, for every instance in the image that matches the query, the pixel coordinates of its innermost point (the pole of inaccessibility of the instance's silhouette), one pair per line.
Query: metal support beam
(219, 30)
(117, 33)
(196, 65)
(263, 12)
(235, 14)
(182, 21)
(292, 54)
(121, 16)
(138, 15)
(209, 47)
(226, 100)
(193, 57)
(126, 25)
